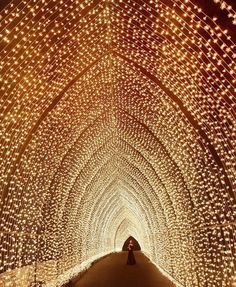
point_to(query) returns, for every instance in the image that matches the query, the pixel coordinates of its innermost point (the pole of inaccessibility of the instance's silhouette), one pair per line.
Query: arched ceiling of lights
(117, 119)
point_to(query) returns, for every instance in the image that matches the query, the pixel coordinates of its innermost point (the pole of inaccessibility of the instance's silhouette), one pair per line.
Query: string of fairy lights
(117, 119)
(230, 11)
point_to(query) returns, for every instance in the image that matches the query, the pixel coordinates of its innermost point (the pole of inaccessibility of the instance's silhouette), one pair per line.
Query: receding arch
(134, 241)
(117, 120)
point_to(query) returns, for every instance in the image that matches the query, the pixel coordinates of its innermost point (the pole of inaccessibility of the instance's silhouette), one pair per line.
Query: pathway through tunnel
(112, 271)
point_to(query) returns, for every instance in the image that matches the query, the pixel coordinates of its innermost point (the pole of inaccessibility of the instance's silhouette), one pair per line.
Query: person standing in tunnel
(131, 259)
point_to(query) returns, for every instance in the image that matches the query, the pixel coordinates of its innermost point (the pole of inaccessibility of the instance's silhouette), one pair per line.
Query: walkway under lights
(117, 118)
(113, 271)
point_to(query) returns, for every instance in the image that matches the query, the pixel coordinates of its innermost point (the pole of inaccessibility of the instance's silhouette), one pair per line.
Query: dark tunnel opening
(135, 243)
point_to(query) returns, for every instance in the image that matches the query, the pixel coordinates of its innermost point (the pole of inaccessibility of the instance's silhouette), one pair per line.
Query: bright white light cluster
(117, 119)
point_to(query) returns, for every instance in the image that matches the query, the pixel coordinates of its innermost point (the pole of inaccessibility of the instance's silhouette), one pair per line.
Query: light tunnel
(117, 120)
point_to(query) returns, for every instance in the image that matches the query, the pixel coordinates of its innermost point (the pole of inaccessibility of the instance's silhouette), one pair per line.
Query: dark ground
(112, 271)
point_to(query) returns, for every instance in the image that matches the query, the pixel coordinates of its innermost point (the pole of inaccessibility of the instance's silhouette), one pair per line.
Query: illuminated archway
(117, 119)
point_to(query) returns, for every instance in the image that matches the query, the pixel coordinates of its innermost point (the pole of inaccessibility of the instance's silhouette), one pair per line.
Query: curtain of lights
(117, 119)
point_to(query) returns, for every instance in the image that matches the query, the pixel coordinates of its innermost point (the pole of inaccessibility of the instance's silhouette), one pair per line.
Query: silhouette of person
(131, 260)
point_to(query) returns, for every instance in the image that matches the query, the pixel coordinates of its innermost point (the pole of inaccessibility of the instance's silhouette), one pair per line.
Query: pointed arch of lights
(117, 119)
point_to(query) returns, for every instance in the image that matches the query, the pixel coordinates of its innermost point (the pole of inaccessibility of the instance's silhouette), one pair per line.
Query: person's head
(131, 241)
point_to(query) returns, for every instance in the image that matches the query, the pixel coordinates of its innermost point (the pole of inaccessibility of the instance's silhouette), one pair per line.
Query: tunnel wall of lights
(117, 119)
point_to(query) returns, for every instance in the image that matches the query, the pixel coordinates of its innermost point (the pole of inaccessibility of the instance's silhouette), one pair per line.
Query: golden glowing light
(118, 118)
